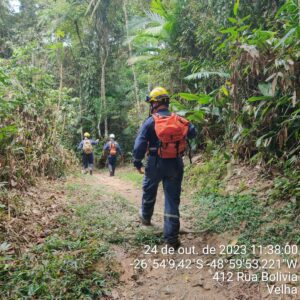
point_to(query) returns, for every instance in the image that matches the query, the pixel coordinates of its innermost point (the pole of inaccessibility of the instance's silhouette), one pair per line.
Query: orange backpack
(112, 148)
(171, 131)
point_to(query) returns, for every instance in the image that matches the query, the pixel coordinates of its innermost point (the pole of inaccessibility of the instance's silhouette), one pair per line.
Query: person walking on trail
(86, 145)
(163, 136)
(112, 149)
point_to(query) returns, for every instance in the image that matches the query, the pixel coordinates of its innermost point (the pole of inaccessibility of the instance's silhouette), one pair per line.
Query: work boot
(174, 245)
(144, 221)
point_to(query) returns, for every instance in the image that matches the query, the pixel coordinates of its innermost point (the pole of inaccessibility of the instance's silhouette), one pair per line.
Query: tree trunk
(54, 132)
(103, 57)
(60, 83)
(99, 126)
(81, 106)
(135, 84)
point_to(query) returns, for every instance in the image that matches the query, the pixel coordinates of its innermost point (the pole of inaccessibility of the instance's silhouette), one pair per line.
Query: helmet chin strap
(152, 108)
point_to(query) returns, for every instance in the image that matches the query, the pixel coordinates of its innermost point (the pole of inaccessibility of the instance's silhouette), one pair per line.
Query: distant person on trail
(163, 136)
(86, 145)
(112, 149)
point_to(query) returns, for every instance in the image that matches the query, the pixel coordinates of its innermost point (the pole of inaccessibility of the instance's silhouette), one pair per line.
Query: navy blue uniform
(112, 159)
(169, 171)
(87, 159)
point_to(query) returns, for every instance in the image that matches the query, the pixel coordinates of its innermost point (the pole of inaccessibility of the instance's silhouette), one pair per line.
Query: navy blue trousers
(87, 160)
(170, 172)
(112, 161)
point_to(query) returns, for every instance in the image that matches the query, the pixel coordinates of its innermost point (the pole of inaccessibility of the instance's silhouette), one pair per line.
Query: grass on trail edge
(63, 267)
(130, 175)
(248, 218)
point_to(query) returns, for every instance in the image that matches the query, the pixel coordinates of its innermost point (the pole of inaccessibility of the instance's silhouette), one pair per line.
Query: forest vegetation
(231, 67)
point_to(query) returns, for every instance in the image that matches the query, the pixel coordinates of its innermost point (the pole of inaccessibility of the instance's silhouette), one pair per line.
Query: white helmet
(112, 136)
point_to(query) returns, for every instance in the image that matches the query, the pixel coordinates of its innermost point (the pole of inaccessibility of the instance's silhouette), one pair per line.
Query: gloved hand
(141, 171)
(138, 164)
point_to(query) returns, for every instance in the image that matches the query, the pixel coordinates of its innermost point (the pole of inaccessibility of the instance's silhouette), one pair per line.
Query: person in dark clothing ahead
(86, 146)
(112, 149)
(163, 136)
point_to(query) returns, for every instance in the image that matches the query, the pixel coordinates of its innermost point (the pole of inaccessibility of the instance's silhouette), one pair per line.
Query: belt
(152, 151)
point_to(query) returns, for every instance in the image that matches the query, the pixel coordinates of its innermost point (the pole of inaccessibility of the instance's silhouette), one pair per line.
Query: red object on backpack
(112, 148)
(171, 131)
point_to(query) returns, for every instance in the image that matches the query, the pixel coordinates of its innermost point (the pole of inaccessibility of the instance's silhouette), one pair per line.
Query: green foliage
(287, 187)
(66, 264)
(61, 267)
(148, 237)
(247, 69)
(131, 175)
(207, 176)
(227, 213)
(247, 217)
(32, 122)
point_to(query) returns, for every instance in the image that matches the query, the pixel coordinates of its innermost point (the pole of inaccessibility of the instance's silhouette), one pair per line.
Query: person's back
(86, 145)
(163, 137)
(112, 149)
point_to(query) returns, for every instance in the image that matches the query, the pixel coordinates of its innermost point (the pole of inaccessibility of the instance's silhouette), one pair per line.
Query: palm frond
(89, 7)
(155, 31)
(158, 7)
(137, 23)
(154, 17)
(207, 74)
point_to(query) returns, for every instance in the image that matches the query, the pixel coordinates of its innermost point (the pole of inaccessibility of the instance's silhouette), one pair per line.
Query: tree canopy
(232, 68)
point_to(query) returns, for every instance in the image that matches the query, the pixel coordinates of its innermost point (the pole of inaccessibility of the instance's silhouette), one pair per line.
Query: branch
(78, 34)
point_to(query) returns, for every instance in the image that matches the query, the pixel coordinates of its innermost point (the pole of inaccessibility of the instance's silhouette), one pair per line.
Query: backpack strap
(190, 150)
(177, 148)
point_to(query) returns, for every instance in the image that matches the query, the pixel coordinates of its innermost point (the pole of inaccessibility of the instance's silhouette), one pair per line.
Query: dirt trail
(145, 272)
(133, 194)
(159, 275)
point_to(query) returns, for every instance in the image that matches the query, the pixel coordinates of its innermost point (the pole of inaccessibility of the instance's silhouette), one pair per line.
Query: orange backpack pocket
(112, 149)
(172, 132)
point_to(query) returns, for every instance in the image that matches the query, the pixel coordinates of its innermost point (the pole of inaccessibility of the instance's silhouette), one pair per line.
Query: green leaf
(158, 7)
(266, 89)
(232, 20)
(4, 247)
(59, 33)
(282, 41)
(259, 98)
(155, 30)
(231, 30)
(201, 98)
(224, 90)
(207, 74)
(236, 7)
(196, 116)
(189, 97)
(245, 19)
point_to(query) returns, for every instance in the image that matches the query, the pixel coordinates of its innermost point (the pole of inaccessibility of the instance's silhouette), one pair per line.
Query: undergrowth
(208, 175)
(249, 218)
(63, 266)
(132, 176)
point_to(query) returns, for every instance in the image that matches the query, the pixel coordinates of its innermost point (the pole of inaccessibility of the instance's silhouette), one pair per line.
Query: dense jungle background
(71, 66)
